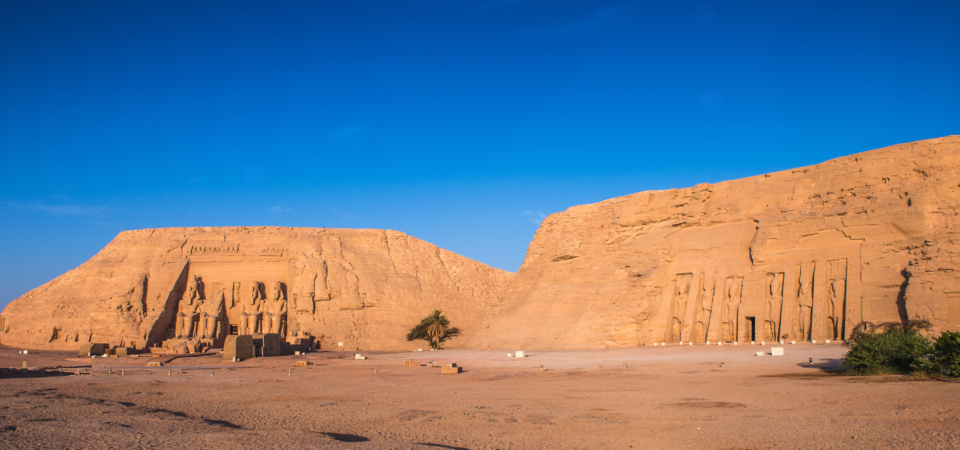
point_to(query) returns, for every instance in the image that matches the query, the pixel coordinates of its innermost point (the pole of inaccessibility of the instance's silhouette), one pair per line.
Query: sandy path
(666, 398)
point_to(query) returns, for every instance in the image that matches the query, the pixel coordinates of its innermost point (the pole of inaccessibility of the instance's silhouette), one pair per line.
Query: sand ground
(672, 397)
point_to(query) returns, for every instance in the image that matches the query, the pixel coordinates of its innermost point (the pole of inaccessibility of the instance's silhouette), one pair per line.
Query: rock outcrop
(803, 254)
(797, 255)
(361, 288)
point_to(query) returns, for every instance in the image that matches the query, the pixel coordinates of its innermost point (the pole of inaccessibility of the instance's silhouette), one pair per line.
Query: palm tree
(434, 329)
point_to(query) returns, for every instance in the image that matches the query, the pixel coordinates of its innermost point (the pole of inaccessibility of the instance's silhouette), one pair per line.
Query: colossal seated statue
(210, 315)
(250, 314)
(275, 308)
(188, 309)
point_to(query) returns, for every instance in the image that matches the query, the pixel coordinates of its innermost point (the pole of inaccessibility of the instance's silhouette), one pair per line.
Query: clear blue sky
(460, 122)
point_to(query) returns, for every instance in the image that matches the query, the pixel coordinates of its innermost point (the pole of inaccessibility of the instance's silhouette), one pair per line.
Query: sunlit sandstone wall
(364, 288)
(804, 253)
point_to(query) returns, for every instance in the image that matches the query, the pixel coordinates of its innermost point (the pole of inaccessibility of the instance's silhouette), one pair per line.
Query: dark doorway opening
(234, 329)
(752, 328)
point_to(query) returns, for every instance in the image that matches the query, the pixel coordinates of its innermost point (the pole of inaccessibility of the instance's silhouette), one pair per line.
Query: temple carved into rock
(803, 254)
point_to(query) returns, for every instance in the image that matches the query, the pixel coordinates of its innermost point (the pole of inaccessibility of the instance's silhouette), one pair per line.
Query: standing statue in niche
(188, 309)
(210, 316)
(836, 290)
(836, 297)
(732, 301)
(774, 300)
(250, 314)
(274, 309)
(805, 301)
(706, 307)
(681, 295)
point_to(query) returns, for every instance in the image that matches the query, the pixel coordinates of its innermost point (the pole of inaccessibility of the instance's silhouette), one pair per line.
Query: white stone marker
(753, 342)
(339, 344)
(759, 353)
(776, 351)
(793, 342)
(519, 354)
(691, 342)
(719, 344)
(826, 342)
(654, 344)
(509, 355)
(813, 341)
(357, 356)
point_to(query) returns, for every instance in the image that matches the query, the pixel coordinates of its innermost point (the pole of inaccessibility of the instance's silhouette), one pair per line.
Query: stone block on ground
(92, 349)
(411, 363)
(240, 347)
(304, 363)
(776, 351)
(449, 369)
(125, 351)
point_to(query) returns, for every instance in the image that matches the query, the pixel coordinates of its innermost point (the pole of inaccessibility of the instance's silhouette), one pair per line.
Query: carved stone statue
(250, 314)
(188, 310)
(680, 296)
(210, 315)
(805, 301)
(774, 302)
(274, 309)
(836, 292)
(732, 303)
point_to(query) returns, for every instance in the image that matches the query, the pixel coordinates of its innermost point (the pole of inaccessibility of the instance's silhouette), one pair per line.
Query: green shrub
(893, 350)
(946, 354)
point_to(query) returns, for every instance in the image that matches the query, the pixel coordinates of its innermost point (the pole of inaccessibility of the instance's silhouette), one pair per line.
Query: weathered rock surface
(798, 254)
(364, 288)
(803, 254)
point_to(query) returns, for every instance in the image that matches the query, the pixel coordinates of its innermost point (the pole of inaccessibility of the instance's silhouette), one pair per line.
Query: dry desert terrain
(646, 397)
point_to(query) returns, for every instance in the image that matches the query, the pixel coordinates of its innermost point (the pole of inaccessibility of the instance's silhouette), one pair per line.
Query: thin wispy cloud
(57, 210)
(535, 217)
(351, 130)
(280, 210)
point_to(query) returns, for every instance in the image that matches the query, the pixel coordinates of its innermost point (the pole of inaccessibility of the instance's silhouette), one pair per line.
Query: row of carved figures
(198, 318)
(693, 321)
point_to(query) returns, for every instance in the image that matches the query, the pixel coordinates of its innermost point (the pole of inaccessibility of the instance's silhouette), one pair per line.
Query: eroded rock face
(364, 288)
(797, 255)
(803, 254)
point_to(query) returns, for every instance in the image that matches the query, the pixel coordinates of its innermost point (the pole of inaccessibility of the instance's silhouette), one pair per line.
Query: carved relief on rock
(321, 291)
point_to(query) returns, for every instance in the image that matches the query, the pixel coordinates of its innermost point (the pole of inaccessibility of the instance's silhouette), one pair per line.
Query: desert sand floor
(666, 397)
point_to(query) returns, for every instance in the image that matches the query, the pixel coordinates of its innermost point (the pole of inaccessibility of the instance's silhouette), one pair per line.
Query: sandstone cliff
(804, 253)
(362, 288)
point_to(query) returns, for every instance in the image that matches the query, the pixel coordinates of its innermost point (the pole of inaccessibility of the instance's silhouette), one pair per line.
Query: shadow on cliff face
(902, 298)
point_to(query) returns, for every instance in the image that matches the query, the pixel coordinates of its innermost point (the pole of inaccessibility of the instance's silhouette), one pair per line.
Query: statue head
(254, 292)
(276, 291)
(191, 293)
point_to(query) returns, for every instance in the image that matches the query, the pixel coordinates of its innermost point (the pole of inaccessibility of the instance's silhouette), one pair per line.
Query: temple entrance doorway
(752, 328)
